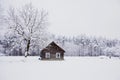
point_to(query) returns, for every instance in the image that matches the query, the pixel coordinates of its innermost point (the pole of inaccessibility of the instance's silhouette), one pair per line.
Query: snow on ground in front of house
(72, 68)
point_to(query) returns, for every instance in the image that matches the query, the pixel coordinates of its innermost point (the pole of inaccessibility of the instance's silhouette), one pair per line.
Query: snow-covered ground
(72, 68)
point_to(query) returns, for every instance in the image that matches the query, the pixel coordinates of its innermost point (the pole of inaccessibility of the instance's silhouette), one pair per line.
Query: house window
(57, 55)
(47, 55)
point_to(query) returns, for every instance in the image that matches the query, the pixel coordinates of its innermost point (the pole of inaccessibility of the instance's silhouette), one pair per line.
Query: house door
(47, 55)
(57, 55)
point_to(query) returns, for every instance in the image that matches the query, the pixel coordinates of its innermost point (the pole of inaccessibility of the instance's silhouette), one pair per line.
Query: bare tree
(28, 23)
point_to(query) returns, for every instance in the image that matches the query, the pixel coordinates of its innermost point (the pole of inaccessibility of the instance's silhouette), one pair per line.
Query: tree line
(83, 45)
(74, 46)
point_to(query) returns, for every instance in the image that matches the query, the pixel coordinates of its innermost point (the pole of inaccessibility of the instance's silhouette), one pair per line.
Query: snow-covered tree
(29, 25)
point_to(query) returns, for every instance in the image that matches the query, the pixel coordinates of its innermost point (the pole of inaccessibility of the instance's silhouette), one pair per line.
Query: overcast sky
(74, 17)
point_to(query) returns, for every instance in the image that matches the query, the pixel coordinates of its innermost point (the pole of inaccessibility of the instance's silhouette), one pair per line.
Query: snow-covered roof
(52, 45)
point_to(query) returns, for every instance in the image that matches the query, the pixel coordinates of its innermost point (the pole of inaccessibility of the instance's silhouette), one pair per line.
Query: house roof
(53, 45)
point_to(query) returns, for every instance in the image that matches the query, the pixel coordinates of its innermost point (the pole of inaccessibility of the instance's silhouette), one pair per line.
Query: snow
(71, 49)
(72, 68)
(1, 54)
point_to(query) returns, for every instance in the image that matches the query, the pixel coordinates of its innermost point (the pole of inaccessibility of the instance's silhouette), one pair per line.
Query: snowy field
(72, 68)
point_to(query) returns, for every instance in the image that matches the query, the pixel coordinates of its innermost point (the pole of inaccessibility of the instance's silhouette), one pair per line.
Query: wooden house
(52, 52)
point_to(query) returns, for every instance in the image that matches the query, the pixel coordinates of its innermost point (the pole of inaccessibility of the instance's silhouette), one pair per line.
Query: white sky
(74, 17)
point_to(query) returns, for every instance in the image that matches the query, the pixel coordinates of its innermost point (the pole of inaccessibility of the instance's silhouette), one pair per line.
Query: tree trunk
(27, 50)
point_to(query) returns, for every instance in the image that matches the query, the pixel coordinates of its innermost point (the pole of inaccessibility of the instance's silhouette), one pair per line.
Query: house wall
(52, 55)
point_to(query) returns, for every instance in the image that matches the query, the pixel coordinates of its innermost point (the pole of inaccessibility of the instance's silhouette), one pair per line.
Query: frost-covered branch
(28, 23)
